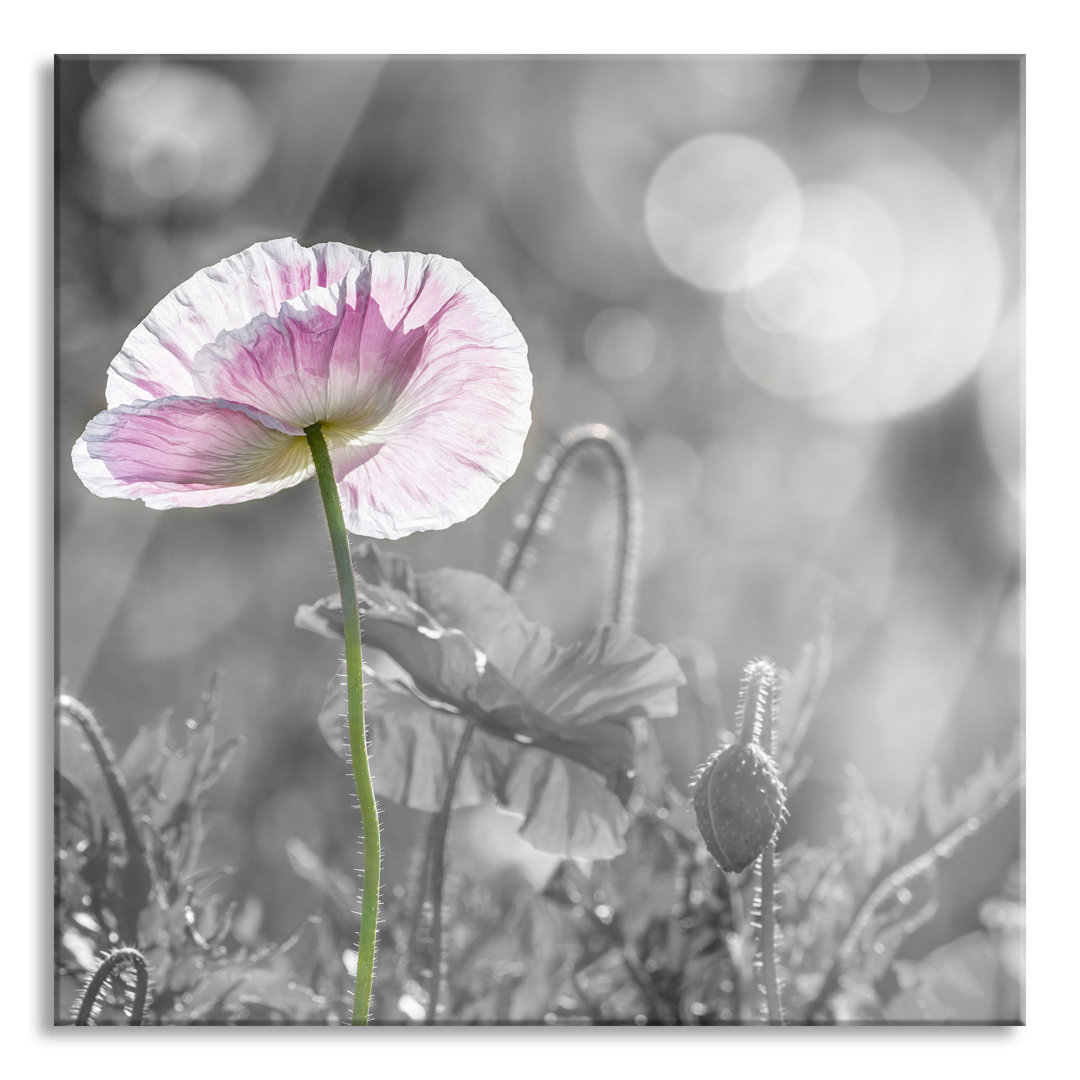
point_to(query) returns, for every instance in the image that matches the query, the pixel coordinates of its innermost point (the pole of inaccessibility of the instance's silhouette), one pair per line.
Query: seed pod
(739, 801)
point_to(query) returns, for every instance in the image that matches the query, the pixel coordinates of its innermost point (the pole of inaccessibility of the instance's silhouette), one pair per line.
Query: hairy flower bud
(739, 801)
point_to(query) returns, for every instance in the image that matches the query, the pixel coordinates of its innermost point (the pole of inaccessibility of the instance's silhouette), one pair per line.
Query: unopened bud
(739, 800)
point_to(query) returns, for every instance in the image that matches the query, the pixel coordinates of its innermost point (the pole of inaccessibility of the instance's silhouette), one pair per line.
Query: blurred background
(793, 284)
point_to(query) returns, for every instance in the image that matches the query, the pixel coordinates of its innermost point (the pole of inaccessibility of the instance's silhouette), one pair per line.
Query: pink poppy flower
(415, 371)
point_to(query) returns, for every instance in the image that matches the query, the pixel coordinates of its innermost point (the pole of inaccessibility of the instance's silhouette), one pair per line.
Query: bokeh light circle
(165, 163)
(808, 327)
(620, 343)
(894, 84)
(705, 211)
(1001, 402)
(942, 315)
(628, 115)
(889, 297)
(806, 330)
(127, 81)
(161, 134)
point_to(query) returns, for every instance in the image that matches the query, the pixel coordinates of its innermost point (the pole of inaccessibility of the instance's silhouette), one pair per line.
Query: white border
(205, 26)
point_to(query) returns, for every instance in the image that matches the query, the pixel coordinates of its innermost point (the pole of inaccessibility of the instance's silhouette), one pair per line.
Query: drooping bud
(739, 800)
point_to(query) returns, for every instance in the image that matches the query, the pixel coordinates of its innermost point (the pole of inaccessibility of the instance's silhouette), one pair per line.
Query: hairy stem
(768, 930)
(769, 709)
(437, 862)
(107, 966)
(136, 878)
(110, 769)
(550, 479)
(757, 703)
(757, 716)
(354, 678)
(423, 872)
(738, 932)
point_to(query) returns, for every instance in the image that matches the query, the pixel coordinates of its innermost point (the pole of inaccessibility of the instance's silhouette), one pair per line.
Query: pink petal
(157, 357)
(416, 371)
(304, 364)
(457, 430)
(438, 468)
(189, 452)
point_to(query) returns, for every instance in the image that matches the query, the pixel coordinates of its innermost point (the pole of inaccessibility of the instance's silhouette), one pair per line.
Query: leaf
(940, 811)
(641, 884)
(169, 778)
(237, 992)
(546, 960)
(79, 767)
(338, 888)
(856, 1003)
(553, 739)
(820, 905)
(873, 832)
(904, 898)
(888, 837)
(899, 916)
(565, 807)
(513, 967)
(143, 756)
(962, 982)
(802, 691)
(218, 761)
(71, 802)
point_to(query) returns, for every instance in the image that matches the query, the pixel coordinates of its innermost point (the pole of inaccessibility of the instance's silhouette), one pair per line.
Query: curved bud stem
(550, 481)
(118, 957)
(543, 502)
(110, 769)
(136, 877)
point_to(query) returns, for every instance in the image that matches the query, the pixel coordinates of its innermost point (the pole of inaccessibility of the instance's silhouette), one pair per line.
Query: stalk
(115, 959)
(369, 813)
(550, 480)
(541, 508)
(769, 709)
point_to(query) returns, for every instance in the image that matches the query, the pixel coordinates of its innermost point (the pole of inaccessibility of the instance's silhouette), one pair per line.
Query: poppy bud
(739, 801)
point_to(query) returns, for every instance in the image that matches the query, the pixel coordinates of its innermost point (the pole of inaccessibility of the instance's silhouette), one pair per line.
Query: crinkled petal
(457, 430)
(189, 452)
(416, 371)
(309, 362)
(445, 471)
(156, 360)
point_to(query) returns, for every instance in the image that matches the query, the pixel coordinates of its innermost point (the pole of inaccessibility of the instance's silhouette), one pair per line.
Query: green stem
(369, 904)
